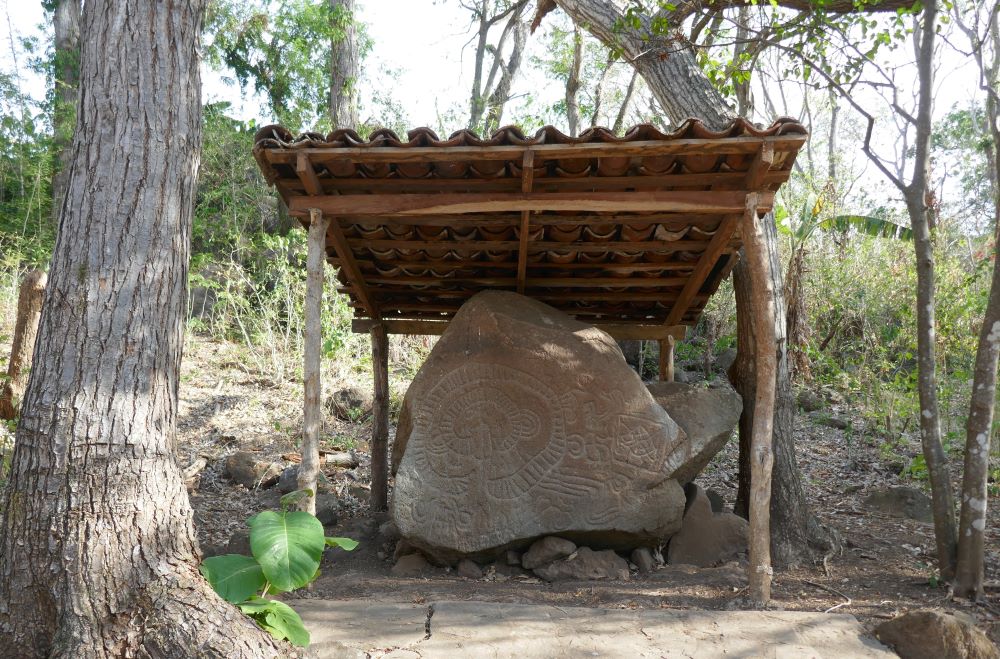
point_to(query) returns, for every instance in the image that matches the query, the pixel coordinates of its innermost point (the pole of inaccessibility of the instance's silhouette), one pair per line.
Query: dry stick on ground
(312, 416)
(29, 307)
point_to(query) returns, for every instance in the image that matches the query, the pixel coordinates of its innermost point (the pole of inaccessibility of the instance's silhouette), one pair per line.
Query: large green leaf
(288, 547)
(234, 577)
(868, 225)
(344, 543)
(278, 619)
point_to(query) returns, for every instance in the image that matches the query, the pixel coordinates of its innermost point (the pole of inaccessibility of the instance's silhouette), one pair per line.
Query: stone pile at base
(525, 423)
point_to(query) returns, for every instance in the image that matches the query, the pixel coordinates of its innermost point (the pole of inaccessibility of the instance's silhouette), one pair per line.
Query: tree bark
(573, 84)
(66, 33)
(669, 67)
(917, 195)
(29, 307)
(97, 549)
(969, 573)
(344, 68)
(501, 94)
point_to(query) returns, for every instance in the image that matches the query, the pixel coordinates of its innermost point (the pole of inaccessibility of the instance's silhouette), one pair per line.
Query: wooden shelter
(631, 233)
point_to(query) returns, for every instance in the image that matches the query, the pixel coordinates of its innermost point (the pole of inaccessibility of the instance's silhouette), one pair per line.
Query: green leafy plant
(287, 548)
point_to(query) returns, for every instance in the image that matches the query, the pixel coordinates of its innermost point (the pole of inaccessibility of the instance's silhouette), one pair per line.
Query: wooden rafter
(716, 247)
(306, 174)
(351, 269)
(474, 202)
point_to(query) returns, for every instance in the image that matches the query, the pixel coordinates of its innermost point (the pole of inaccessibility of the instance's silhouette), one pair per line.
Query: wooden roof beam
(759, 169)
(350, 267)
(620, 331)
(716, 247)
(721, 202)
(306, 174)
(656, 246)
(648, 148)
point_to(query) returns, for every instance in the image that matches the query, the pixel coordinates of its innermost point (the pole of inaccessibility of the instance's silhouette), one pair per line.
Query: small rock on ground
(643, 559)
(245, 469)
(901, 501)
(546, 550)
(933, 634)
(584, 565)
(468, 569)
(411, 565)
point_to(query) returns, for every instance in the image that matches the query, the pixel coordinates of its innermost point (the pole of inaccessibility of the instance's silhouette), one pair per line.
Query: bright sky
(422, 40)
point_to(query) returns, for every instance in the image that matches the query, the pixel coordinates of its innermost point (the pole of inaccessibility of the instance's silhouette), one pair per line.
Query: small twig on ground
(833, 591)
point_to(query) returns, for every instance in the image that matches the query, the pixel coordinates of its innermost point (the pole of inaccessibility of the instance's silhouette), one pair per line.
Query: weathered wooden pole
(312, 413)
(380, 422)
(761, 456)
(29, 308)
(667, 359)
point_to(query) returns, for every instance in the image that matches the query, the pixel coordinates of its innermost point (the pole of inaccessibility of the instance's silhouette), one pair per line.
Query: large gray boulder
(707, 415)
(525, 423)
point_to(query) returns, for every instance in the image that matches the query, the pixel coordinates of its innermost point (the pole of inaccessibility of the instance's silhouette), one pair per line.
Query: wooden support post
(527, 176)
(761, 455)
(312, 413)
(380, 422)
(667, 359)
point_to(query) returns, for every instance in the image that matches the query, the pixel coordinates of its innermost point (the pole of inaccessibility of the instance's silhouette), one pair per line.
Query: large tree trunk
(344, 68)
(66, 33)
(29, 307)
(682, 89)
(97, 549)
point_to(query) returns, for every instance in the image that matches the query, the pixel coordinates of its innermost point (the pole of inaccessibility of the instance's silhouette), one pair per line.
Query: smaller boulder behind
(706, 538)
(707, 415)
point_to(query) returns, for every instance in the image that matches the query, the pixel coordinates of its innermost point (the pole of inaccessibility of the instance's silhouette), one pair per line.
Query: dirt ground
(886, 566)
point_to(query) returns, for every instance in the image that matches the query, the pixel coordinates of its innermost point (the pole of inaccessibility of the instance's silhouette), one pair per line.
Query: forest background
(843, 231)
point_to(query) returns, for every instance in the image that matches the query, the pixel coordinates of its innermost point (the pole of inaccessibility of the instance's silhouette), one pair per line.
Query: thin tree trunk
(969, 573)
(66, 33)
(29, 307)
(916, 195)
(499, 97)
(344, 68)
(616, 128)
(97, 549)
(573, 84)
(972, 523)
(599, 91)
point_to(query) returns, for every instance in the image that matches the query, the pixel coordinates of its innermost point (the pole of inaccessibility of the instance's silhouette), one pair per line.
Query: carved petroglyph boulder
(524, 423)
